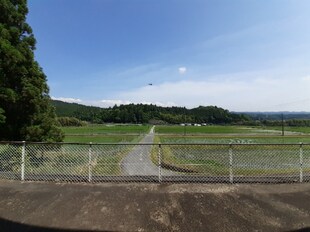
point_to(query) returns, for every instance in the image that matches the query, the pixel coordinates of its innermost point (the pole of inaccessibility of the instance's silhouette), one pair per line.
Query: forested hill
(277, 116)
(139, 113)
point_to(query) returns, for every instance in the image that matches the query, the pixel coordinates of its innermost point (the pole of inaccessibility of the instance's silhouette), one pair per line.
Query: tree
(24, 94)
(2, 117)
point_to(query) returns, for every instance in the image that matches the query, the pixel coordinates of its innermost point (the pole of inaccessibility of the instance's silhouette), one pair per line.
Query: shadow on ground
(301, 230)
(7, 225)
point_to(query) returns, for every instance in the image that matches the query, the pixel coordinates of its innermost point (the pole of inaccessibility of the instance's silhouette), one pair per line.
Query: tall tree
(25, 104)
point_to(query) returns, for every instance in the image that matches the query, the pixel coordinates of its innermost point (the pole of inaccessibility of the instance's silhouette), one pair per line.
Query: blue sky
(243, 55)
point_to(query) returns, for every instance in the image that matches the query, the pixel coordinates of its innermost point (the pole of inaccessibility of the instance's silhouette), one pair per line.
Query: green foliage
(70, 121)
(277, 116)
(291, 122)
(148, 114)
(24, 98)
(2, 117)
(9, 158)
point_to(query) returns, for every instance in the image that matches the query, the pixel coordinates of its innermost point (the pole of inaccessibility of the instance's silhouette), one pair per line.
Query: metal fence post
(300, 163)
(231, 175)
(159, 163)
(89, 162)
(23, 161)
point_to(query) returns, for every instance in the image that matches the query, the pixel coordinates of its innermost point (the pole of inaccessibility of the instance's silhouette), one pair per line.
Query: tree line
(141, 113)
(69, 113)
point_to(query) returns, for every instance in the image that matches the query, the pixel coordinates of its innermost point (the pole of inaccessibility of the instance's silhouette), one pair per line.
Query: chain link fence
(186, 163)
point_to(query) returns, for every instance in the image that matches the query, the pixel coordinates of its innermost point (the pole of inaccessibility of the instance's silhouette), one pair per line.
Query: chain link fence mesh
(187, 163)
(10, 161)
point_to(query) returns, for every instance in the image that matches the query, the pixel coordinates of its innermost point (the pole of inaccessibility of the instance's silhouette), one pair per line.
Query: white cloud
(110, 103)
(67, 99)
(182, 70)
(306, 78)
(235, 92)
(238, 94)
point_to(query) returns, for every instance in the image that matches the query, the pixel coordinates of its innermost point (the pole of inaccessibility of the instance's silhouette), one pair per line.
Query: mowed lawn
(106, 133)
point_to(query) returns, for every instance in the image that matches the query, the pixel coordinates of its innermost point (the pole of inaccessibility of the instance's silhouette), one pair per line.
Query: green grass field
(105, 133)
(75, 159)
(238, 139)
(247, 159)
(186, 159)
(204, 159)
(207, 130)
(106, 129)
(216, 129)
(102, 138)
(305, 130)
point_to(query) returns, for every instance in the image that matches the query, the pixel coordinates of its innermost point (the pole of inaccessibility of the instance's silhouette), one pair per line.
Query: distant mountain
(287, 115)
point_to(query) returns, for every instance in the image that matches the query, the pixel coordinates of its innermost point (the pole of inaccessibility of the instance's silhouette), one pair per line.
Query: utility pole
(184, 133)
(282, 124)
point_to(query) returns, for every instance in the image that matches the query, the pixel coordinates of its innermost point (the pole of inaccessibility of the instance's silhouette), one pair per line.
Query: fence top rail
(156, 144)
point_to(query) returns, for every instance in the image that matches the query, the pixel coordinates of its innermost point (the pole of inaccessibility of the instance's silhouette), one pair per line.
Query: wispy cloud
(239, 94)
(67, 99)
(234, 92)
(110, 103)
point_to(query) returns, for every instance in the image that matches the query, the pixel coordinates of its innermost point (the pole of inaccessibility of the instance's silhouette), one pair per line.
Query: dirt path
(35, 206)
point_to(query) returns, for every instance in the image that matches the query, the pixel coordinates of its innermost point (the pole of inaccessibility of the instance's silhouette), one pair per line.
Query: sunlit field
(201, 129)
(97, 129)
(209, 154)
(305, 130)
(105, 133)
(237, 139)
